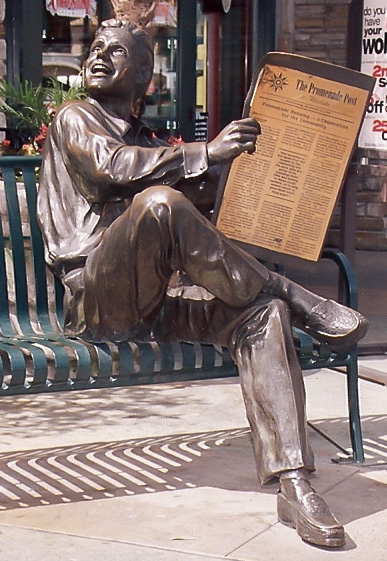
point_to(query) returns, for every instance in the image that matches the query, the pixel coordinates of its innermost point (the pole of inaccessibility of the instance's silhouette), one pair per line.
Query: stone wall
(320, 31)
(371, 214)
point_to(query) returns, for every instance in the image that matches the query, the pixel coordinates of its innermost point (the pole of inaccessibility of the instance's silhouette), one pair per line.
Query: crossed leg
(127, 275)
(247, 308)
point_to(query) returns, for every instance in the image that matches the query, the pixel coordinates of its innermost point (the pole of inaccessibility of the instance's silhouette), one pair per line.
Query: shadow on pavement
(218, 459)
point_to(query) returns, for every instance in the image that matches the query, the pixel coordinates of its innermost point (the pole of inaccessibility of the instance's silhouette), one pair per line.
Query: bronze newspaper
(282, 197)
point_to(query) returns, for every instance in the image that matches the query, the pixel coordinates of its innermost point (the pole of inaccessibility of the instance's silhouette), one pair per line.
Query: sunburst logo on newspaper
(277, 81)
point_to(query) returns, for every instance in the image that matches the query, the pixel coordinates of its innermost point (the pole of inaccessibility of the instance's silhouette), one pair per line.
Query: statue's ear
(144, 74)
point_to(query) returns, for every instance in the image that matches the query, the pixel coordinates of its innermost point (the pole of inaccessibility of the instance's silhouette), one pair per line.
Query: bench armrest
(347, 275)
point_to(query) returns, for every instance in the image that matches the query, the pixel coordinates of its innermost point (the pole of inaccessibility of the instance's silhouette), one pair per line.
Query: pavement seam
(342, 481)
(251, 539)
(136, 544)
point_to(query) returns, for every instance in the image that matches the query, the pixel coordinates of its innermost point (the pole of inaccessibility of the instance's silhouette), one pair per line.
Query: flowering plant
(31, 148)
(175, 140)
(29, 111)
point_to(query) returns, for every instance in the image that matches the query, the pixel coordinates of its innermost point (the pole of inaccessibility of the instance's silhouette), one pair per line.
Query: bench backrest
(25, 284)
(35, 355)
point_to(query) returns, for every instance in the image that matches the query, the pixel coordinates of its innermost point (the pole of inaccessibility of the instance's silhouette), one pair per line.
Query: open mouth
(99, 69)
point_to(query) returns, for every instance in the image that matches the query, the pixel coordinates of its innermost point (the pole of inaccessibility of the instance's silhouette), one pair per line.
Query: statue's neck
(121, 108)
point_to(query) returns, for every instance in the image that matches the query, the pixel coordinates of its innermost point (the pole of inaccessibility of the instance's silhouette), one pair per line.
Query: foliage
(29, 111)
(24, 105)
(56, 93)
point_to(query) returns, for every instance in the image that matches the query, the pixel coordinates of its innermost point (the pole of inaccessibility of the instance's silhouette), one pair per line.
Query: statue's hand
(235, 138)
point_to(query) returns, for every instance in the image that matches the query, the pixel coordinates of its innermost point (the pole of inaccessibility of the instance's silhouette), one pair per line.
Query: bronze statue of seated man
(118, 232)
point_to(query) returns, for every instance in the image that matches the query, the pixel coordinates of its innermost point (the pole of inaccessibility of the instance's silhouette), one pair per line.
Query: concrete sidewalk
(166, 473)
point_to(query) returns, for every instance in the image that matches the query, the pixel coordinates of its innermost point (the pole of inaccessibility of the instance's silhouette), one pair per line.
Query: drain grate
(102, 470)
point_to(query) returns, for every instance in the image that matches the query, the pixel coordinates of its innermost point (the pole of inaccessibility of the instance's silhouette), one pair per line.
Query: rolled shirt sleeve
(105, 168)
(93, 164)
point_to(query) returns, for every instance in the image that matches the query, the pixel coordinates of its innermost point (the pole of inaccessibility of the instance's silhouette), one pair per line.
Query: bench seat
(35, 355)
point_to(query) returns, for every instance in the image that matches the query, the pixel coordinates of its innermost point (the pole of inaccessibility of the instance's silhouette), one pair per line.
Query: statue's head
(120, 62)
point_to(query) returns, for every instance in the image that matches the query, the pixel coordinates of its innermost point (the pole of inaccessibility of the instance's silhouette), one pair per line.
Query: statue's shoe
(311, 518)
(333, 323)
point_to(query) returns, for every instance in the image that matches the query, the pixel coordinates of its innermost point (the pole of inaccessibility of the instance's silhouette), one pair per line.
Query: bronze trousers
(126, 280)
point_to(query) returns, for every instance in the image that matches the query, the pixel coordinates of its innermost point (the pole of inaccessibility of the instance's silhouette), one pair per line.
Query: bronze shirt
(93, 164)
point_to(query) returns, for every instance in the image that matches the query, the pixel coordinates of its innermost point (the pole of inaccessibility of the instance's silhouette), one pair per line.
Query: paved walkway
(166, 473)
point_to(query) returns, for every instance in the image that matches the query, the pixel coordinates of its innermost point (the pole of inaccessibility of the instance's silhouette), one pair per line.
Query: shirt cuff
(195, 159)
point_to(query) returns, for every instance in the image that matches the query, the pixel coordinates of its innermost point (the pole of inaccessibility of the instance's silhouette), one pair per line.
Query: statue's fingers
(251, 147)
(249, 138)
(248, 130)
(251, 123)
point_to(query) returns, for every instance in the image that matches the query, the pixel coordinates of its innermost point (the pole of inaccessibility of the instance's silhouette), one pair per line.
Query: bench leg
(354, 409)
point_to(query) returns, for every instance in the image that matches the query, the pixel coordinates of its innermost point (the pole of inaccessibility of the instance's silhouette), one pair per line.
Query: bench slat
(35, 356)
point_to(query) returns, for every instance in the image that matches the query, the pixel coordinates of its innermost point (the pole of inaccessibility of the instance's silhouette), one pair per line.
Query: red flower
(175, 141)
(41, 137)
(172, 140)
(6, 144)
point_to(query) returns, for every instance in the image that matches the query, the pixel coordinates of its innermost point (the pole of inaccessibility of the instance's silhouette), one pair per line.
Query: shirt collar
(121, 126)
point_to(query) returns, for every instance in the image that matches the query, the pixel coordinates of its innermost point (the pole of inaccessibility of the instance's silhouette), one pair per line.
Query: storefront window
(64, 30)
(65, 43)
(201, 124)
(162, 93)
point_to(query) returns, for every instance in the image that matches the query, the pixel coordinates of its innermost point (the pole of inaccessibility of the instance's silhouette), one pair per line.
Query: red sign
(164, 14)
(72, 8)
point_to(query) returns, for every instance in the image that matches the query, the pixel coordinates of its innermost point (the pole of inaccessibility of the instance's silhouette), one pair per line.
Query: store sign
(164, 14)
(72, 8)
(374, 61)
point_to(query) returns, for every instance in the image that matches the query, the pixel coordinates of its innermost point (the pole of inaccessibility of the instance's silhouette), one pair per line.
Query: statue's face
(111, 69)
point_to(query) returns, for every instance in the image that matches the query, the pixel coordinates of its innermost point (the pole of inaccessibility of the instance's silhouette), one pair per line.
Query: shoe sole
(289, 514)
(338, 342)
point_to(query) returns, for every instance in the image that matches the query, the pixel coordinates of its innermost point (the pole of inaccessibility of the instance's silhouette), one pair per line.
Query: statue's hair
(143, 41)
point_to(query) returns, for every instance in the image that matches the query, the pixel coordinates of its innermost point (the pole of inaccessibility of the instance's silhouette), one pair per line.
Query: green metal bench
(35, 355)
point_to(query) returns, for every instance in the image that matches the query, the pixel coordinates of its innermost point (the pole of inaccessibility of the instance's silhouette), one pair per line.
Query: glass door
(161, 98)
